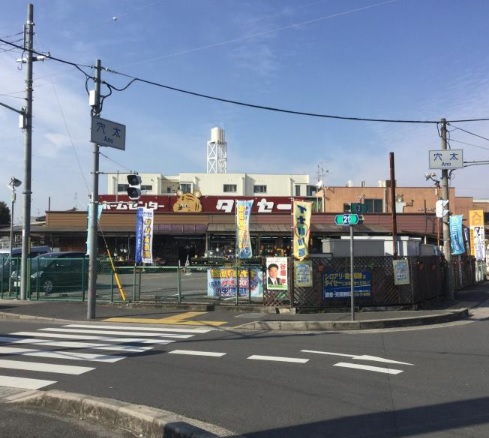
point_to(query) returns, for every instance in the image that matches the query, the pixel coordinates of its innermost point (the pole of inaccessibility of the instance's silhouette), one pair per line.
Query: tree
(4, 214)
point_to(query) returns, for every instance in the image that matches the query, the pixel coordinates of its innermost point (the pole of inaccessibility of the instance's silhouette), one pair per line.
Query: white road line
(24, 383)
(367, 368)
(108, 332)
(328, 353)
(69, 355)
(278, 359)
(74, 344)
(44, 367)
(355, 357)
(197, 353)
(148, 329)
(94, 338)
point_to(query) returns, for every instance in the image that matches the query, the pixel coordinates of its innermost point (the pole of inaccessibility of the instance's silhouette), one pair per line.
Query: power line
(235, 102)
(471, 133)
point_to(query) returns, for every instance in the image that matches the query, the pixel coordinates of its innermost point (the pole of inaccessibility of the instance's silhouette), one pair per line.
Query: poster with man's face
(276, 273)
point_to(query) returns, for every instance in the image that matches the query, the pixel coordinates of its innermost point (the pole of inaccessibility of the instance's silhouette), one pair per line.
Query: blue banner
(456, 235)
(138, 252)
(89, 228)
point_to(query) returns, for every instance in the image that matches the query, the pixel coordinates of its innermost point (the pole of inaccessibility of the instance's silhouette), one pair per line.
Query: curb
(356, 325)
(141, 420)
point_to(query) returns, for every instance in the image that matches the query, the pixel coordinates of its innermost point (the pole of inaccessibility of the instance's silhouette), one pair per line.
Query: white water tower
(217, 152)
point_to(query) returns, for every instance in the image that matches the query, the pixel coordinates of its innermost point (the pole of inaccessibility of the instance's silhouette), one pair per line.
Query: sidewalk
(252, 317)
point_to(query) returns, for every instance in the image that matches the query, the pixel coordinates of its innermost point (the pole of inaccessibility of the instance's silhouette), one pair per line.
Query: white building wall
(214, 183)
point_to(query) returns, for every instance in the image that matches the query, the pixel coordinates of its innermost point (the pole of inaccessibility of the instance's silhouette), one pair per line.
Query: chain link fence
(218, 284)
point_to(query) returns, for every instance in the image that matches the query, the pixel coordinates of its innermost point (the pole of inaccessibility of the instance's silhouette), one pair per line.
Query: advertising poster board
(401, 272)
(221, 282)
(338, 285)
(303, 273)
(276, 273)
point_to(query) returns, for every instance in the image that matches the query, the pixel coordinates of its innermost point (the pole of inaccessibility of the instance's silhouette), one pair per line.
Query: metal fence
(173, 284)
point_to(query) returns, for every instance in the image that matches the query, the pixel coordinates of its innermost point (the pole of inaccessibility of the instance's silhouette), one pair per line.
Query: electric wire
(77, 158)
(239, 103)
(470, 133)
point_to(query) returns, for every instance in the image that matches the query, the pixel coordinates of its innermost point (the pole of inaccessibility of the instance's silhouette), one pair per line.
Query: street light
(13, 184)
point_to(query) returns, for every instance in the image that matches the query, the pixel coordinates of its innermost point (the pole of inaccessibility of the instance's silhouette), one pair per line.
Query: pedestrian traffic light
(134, 187)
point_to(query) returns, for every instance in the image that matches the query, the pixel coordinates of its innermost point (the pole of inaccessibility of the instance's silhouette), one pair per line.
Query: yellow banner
(476, 218)
(302, 227)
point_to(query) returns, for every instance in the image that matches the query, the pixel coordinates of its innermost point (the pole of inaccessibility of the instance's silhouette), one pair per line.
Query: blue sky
(391, 59)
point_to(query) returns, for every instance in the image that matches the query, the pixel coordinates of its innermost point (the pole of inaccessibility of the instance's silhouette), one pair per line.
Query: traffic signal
(134, 187)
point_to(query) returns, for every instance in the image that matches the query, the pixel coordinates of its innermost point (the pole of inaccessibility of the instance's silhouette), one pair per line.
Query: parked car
(54, 271)
(9, 265)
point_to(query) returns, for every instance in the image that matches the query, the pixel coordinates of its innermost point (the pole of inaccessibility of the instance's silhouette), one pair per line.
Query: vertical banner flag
(243, 241)
(144, 235)
(456, 235)
(89, 228)
(302, 227)
(477, 234)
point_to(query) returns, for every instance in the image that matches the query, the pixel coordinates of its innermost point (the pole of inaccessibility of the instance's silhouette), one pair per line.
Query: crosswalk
(75, 349)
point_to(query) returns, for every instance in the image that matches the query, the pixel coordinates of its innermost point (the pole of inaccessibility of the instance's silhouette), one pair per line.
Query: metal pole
(26, 228)
(393, 204)
(446, 227)
(92, 268)
(11, 238)
(352, 273)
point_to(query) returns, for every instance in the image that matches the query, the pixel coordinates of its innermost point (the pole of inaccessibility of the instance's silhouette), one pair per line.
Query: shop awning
(179, 229)
(254, 228)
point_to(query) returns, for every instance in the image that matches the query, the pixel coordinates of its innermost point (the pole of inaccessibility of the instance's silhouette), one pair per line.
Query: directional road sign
(346, 219)
(447, 159)
(107, 133)
(358, 208)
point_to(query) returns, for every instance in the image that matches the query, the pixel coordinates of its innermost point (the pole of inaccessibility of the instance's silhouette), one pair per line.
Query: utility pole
(395, 251)
(27, 124)
(93, 208)
(446, 228)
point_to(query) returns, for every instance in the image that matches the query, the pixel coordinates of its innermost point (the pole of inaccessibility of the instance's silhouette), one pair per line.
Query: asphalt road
(424, 382)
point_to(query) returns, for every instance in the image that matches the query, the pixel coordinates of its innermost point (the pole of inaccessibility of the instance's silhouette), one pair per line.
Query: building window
(260, 189)
(229, 188)
(122, 188)
(186, 187)
(146, 188)
(297, 190)
(312, 190)
(374, 205)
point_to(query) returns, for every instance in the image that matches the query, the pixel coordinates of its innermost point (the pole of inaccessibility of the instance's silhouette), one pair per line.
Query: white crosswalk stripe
(91, 344)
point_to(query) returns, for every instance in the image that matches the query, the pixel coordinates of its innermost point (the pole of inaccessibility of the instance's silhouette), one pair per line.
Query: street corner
(184, 318)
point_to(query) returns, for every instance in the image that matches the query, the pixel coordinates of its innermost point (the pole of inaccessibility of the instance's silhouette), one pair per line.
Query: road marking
(24, 383)
(44, 367)
(197, 353)
(94, 338)
(70, 355)
(108, 332)
(355, 357)
(146, 329)
(180, 319)
(74, 344)
(367, 368)
(278, 358)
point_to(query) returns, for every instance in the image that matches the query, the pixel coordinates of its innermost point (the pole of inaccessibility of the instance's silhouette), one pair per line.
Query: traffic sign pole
(352, 280)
